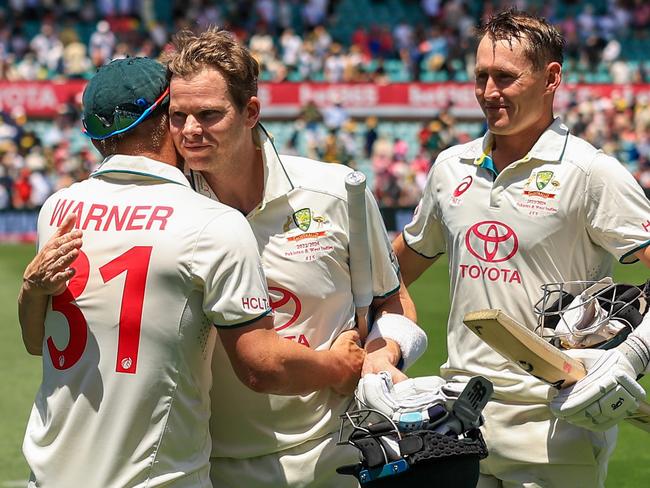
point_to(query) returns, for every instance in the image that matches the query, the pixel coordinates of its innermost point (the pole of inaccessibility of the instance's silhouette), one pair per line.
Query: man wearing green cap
(128, 337)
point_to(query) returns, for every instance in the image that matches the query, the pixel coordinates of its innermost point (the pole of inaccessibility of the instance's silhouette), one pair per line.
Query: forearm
(31, 316)
(268, 363)
(293, 369)
(411, 264)
(395, 338)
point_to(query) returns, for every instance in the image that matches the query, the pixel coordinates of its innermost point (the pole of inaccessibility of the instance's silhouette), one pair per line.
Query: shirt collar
(549, 147)
(276, 180)
(139, 167)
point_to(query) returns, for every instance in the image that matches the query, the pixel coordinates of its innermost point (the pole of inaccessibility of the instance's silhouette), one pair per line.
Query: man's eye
(209, 114)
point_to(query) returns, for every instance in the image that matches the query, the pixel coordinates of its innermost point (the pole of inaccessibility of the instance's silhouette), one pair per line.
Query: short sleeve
(385, 270)
(617, 210)
(424, 234)
(226, 260)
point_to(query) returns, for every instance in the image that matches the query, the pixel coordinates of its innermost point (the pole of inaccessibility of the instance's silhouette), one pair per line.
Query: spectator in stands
(22, 190)
(5, 189)
(76, 63)
(314, 12)
(48, 48)
(102, 44)
(334, 65)
(370, 136)
(335, 115)
(290, 44)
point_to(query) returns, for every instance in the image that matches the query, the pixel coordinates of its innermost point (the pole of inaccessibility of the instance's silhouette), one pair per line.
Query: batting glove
(605, 396)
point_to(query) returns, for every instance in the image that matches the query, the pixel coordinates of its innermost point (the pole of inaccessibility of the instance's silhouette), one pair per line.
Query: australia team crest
(302, 219)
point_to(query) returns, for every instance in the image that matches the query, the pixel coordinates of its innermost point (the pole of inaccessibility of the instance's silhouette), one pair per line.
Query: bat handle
(362, 322)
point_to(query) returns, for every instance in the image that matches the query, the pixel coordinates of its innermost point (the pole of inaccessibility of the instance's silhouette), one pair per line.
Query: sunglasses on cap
(96, 126)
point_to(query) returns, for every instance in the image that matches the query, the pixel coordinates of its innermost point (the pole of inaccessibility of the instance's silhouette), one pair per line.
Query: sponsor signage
(43, 98)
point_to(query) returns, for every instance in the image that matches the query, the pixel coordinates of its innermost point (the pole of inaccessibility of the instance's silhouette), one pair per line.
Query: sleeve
(617, 210)
(424, 234)
(385, 270)
(226, 261)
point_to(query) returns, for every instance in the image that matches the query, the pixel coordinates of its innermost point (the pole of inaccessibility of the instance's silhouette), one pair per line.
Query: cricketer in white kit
(560, 213)
(301, 229)
(126, 360)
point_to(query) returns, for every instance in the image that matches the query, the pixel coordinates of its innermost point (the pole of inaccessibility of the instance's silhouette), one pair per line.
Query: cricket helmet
(590, 314)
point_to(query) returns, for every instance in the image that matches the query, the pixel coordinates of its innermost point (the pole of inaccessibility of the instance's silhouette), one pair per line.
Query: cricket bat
(359, 251)
(537, 357)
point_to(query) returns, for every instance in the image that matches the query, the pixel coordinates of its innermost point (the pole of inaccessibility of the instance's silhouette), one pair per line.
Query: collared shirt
(301, 227)
(558, 214)
(126, 358)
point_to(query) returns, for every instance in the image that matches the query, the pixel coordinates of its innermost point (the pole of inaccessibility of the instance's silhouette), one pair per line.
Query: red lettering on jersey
(114, 214)
(489, 273)
(95, 213)
(160, 214)
(137, 214)
(79, 210)
(646, 225)
(255, 303)
(301, 339)
(59, 213)
(100, 217)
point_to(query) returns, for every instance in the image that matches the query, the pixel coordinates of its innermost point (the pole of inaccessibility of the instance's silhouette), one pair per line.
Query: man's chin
(197, 164)
(499, 127)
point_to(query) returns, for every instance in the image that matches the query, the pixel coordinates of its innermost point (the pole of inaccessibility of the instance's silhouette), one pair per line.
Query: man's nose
(192, 127)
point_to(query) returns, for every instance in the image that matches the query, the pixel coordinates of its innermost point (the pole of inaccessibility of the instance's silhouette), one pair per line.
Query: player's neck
(507, 149)
(239, 185)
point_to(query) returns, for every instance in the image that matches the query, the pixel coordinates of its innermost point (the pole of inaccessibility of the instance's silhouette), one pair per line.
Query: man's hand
(49, 271)
(383, 355)
(350, 356)
(605, 396)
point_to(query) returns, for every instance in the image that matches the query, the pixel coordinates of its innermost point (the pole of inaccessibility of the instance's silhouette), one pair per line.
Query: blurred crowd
(34, 163)
(318, 40)
(331, 40)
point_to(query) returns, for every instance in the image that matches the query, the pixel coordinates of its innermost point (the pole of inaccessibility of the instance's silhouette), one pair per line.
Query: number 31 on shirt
(135, 263)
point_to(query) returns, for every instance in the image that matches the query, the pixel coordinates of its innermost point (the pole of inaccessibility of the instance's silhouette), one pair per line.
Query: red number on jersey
(76, 321)
(135, 262)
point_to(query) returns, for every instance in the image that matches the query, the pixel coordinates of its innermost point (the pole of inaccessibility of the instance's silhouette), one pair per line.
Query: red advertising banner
(280, 100)
(40, 98)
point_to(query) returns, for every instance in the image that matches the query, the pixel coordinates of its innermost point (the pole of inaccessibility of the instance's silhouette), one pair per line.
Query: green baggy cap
(122, 94)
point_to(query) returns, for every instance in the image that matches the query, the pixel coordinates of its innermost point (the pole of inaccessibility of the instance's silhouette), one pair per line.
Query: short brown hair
(218, 49)
(544, 43)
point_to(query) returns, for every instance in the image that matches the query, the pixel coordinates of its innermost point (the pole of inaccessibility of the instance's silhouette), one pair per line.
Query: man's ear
(553, 76)
(252, 110)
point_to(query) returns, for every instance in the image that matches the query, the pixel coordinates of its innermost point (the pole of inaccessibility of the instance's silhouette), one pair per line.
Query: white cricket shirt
(558, 214)
(127, 348)
(301, 227)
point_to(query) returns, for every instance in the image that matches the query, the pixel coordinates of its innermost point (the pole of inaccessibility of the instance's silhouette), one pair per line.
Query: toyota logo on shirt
(491, 241)
(281, 297)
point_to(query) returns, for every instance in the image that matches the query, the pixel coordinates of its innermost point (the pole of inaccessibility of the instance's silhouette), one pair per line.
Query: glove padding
(377, 391)
(605, 396)
(415, 403)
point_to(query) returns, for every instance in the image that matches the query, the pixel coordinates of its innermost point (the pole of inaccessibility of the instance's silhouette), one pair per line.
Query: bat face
(525, 348)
